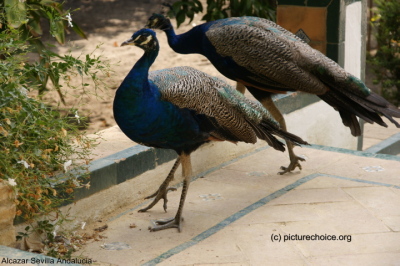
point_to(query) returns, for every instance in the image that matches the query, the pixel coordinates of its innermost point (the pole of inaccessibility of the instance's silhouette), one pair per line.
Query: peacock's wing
(270, 57)
(273, 57)
(233, 116)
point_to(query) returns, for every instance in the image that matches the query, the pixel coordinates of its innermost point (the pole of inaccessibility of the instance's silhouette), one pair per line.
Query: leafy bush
(27, 17)
(386, 62)
(36, 142)
(217, 9)
(42, 153)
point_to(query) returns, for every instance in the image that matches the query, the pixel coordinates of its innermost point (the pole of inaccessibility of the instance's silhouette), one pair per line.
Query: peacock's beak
(128, 42)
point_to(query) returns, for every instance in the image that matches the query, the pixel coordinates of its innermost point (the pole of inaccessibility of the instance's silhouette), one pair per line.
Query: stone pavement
(374, 134)
(243, 213)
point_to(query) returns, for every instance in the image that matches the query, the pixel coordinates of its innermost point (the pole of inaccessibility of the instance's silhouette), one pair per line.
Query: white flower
(24, 163)
(77, 117)
(67, 164)
(76, 182)
(12, 182)
(23, 90)
(69, 20)
(55, 230)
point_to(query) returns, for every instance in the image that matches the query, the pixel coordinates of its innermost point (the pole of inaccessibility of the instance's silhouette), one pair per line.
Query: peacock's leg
(294, 159)
(176, 222)
(240, 87)
(162, 191)
(265, 98)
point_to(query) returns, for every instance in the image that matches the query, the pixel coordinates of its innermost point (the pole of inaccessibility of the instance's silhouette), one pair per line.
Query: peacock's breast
(158, 124)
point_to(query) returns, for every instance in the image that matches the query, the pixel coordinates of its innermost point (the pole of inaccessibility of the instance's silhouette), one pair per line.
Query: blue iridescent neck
(140, 72)
(143, 64)
(186, 43)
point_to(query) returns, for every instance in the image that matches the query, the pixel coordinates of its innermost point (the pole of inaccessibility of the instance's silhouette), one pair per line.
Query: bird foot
(294, 162)
(162, 224)
(161, 193)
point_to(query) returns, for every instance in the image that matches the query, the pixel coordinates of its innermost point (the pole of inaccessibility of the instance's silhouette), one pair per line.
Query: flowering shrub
(38, 146)
(43, 156)
(27, 17)
(386, 62)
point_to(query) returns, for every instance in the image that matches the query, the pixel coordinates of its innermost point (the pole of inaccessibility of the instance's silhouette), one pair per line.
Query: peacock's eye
(143, 38)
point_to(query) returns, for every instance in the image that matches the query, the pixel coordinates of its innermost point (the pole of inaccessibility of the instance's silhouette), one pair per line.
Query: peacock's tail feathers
(368, 108)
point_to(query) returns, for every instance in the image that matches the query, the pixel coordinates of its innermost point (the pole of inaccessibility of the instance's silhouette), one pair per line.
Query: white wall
(353, 38)
(320, 124)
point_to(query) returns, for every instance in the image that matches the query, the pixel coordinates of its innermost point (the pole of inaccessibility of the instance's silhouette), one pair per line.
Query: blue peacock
(268, 59)
(182, 108)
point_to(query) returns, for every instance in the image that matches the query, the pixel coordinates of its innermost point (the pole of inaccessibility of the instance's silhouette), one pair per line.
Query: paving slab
(371, 259)
(244, 213)
(375, 199)
(374, 133)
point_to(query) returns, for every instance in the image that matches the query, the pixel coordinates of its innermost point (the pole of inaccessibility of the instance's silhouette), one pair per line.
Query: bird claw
(161, 193)
(162, 224)
(292, 166)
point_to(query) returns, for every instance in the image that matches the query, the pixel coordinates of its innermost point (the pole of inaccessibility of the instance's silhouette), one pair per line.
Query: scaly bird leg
(265, 99)
(240, 87)
(176, 222)
(294, 159)
(162, 191)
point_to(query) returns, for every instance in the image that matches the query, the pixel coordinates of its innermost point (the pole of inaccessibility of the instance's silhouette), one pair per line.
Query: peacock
(182, 108)
(268, 59)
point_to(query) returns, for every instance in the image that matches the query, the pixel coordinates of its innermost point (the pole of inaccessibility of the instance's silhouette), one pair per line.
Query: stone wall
(7, 214)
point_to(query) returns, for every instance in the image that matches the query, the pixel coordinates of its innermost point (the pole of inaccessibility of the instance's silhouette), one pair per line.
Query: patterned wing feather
(278, 58)
(189, 88)
(235, 117)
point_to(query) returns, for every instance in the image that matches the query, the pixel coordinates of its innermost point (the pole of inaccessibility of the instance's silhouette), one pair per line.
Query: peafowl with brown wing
(181, 109)
(268, 59)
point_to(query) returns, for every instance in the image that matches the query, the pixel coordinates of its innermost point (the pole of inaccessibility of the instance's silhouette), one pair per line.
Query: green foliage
(386, 62)
(62, 69)
(37, 144)
(26, 16)
(185, 8)
(42, 153)
(218, 9)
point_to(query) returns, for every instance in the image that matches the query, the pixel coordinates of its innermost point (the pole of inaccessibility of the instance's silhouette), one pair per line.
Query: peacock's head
(144, 38)
(158, 21)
